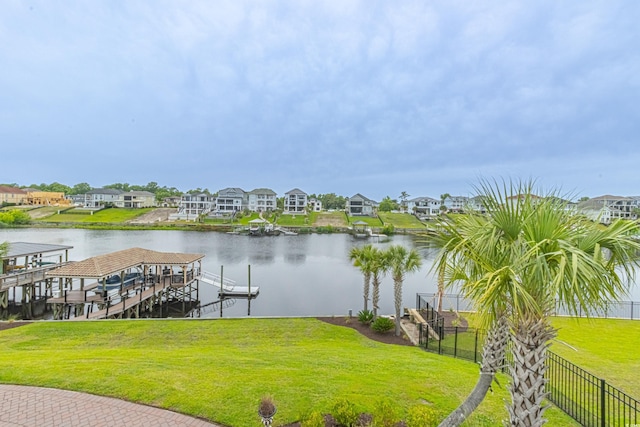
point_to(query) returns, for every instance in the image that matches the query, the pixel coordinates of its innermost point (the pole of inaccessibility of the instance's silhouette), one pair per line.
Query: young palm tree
(523, 257)
(379, 267)
(361, 257)
(401, 262)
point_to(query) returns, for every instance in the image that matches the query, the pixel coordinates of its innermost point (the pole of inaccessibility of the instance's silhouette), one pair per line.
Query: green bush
(345, 413)
(422, 416)
(382, 325)
(365, 316)
(386, 413)
(314, 419)
(388, 229)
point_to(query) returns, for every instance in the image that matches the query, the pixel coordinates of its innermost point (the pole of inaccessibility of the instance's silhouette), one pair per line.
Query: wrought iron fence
(588, 399)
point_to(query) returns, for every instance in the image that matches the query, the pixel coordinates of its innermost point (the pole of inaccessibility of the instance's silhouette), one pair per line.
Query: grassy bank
(219, 369)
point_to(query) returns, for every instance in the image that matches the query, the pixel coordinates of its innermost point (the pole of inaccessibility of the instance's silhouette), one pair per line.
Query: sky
(341, 96)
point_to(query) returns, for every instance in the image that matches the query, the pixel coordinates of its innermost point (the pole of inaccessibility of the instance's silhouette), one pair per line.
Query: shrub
(345, 413)
(386, 413)
(382, 325)
(388, 229)
(314, 419)
(365, 316)
(422, 416)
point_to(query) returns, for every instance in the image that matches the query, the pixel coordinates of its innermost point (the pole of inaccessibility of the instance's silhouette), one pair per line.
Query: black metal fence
(588, 399)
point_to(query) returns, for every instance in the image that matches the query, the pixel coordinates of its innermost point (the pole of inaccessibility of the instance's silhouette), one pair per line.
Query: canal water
(303, 275)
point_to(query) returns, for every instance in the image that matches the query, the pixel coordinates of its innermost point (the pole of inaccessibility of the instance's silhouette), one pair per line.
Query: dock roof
(113, 263)
(19, 249)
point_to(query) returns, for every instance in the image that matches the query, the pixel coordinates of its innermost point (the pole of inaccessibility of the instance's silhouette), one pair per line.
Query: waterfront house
(295, 201)
(46, 198)
(360, 205)
(424, 207)
(12, 196)
(456, 204)
(608, 208)
(136, 199)
(315, 205)
(100, 197)
(191, 206)
(261, 200)
(231, 200)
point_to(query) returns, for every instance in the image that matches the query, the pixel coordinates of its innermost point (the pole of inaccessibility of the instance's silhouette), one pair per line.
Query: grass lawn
(288, 220)
(400, 220)
(336, 219)
(112, 215)
(371, 221)
(606, 348)
(219, 369)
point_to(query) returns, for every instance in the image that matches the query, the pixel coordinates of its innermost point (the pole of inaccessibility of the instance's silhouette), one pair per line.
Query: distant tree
(199, 191)
(81, 188)
(119, 186)
(403, 199)
(15, 217)
(443, 197)
(332, 201)
(583, 199)
(388, 205)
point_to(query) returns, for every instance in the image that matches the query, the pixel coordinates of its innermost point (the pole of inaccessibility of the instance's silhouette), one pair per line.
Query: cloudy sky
(371, 97)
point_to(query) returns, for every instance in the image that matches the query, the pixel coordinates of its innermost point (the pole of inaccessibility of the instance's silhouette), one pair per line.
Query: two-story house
(99, 197)
(295, 201)
(424, 207)
(12, 196)
(360, 205)
(456, 203)
(231, 200)
(261, 200)
(136, 199)
(191, 206)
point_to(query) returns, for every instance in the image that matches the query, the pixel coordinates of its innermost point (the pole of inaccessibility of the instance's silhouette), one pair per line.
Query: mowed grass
(112, 215)
(219, 369)
(400, 220)
(607, 348)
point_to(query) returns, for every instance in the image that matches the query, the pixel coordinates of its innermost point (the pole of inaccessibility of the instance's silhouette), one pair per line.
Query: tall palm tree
(523, 257)
(362, 258)
(401, 261)
(379, 267)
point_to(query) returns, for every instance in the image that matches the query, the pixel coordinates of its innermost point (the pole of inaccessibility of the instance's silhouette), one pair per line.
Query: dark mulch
(364, 329)
(9, 325)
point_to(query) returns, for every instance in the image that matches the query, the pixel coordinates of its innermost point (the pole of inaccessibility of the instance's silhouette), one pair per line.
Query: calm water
(304, 275)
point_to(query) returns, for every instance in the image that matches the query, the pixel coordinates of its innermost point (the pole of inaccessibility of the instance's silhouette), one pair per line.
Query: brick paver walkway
(47, 407)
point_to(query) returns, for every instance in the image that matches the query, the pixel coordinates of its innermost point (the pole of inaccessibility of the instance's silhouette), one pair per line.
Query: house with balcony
(100, 197)
(315, 205)
(192, 206)
(12, 196)
(261, 200)
(295, 201)
(136, 199)
(360, 205)
(231, 200)
(456, 204)
(424, 207)
(608, 208)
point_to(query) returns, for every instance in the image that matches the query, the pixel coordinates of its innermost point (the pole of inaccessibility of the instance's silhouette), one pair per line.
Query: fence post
(603, 401)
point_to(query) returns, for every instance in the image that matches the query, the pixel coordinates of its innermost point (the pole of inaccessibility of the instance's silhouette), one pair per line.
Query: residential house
(295, 201)
(261, 200)
(99, 197)
(360, 205)
(608, 208)
(231, 200)
(12, 196)
(315, 205)
(191, 206)
(171, 202)
(424, 207)
(136, 199)
(456, 203)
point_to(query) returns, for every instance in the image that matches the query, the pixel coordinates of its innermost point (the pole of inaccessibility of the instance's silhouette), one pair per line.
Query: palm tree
(518, 261)
(361, 257)
(379, 267)
(401, 262)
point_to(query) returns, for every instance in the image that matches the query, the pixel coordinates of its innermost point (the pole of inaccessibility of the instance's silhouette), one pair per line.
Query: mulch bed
(364, 329)
(9, 325)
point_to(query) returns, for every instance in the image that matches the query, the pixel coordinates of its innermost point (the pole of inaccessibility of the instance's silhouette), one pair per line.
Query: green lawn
(400, 220)
(113, 215)
(288, 220)
(371, 221)
(219, 369)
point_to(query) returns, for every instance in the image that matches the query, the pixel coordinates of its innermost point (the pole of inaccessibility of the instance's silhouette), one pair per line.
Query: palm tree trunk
(530, 342)
(376, 295)
(367, 281)
(397, 293)
(440, 289)
(492, 361)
